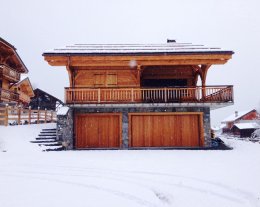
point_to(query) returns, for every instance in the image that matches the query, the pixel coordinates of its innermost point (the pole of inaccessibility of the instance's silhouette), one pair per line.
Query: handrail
(216, 94)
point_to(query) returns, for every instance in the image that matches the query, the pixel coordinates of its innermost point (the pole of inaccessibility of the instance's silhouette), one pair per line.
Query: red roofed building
(238, 117)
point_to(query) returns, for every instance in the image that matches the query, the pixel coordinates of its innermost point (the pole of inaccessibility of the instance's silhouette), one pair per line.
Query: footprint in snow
(163, 198)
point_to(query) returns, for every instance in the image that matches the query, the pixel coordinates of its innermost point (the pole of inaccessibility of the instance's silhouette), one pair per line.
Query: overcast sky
(35, 26)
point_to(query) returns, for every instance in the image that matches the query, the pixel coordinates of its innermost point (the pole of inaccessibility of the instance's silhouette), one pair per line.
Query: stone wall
(65, 122)
(65, 129)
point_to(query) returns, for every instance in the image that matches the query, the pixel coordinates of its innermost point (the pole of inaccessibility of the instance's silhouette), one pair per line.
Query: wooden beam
(204, 69)
(70, 74)
(143, 63)
(142, 60)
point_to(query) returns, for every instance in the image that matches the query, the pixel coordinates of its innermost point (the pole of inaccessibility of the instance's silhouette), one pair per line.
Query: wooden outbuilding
(244, 129)
(140, 95)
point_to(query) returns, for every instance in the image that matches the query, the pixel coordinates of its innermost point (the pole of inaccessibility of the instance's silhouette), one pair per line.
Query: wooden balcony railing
(211, 94)
(8, 96)
(9, 73)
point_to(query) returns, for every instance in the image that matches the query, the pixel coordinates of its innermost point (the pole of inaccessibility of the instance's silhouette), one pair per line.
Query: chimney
(236, 113)
(170, 40)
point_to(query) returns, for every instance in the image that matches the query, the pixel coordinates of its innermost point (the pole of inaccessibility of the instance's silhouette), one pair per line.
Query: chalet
(238, 117)
(11, 68)
(25, 91)
(43, 100)
(132, 96)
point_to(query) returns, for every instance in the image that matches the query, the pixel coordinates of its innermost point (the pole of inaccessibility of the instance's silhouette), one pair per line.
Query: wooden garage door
(98, 130)
(166, 130)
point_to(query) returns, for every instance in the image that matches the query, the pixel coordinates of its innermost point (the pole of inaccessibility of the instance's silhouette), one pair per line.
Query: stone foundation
(65, 129)
(65, 122)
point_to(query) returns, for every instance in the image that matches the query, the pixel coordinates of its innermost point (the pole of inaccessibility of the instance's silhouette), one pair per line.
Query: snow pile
(153, 178)
(256, 133)
(63, 110)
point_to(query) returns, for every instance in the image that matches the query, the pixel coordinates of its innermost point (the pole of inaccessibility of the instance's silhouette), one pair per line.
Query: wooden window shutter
(99, 79)
(111, 79)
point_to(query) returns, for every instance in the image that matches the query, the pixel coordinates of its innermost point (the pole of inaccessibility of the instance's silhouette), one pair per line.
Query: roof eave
(228, 52)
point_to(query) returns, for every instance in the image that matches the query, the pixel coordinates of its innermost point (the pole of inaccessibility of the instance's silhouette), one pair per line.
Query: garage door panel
(98, 130)
(137, 130)
(165, 130)
(91, 132)
(113, 132)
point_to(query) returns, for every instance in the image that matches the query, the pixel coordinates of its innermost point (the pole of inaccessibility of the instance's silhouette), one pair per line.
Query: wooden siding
(98, 130)
(166, 130)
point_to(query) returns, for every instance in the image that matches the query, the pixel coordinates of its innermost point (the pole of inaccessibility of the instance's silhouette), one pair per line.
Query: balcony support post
(203, 75)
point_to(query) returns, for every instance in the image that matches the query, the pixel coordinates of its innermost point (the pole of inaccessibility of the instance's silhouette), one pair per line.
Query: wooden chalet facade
(11, 68)
(25, 91)
(140, 95)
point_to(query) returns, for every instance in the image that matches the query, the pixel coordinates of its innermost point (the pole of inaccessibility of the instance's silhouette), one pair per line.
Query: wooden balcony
(208, 94)
(8, 96)
(9, 73)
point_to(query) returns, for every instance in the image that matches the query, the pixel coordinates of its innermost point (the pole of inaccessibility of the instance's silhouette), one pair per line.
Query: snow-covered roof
(235, 116)
(251, 125)
(172, 47)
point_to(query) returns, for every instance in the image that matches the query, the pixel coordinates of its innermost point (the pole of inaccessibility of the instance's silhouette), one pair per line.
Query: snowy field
(30, 177)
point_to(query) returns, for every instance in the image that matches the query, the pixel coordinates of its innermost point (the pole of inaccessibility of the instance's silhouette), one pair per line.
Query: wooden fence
(17, 115)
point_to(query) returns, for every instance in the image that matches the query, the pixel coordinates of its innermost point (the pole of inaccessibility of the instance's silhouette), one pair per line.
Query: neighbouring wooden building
(11, 68)
(139, 95)
(244, 129)
(43, 100)
(25, 91)
(238, 117)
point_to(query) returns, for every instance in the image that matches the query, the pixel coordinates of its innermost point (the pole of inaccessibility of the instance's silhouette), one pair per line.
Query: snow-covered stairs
(47, 140)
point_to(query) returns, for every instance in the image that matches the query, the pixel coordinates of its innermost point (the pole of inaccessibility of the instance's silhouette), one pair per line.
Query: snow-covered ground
(30, 177)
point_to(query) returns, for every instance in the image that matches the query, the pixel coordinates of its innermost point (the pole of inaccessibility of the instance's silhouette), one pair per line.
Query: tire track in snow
(162, 196)
(94, 187)
(251, 198)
